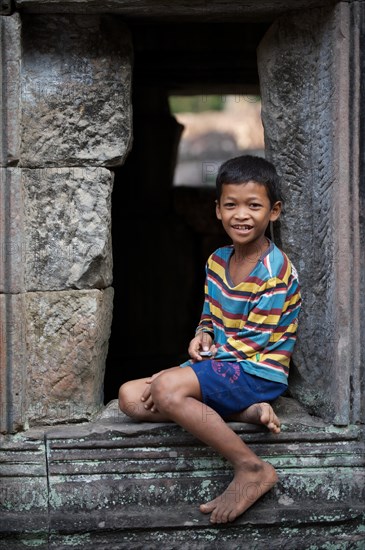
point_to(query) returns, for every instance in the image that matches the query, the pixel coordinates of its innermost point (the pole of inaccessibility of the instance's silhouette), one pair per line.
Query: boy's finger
(148, 403)
(146, 394)
(205, 341)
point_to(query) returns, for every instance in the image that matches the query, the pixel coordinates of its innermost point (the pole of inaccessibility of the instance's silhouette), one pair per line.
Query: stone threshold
(117, 480)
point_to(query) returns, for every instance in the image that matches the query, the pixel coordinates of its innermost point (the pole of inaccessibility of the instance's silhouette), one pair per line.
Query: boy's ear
(217, 210)
(275, 211)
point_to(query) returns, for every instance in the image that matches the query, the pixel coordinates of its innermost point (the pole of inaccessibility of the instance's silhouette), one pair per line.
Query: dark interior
(162, 235)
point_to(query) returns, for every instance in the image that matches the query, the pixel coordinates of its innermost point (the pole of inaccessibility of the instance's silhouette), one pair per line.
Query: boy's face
(245, 212)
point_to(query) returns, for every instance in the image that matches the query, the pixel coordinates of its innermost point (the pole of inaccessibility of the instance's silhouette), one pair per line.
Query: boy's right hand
(202, 342)
(146, 395)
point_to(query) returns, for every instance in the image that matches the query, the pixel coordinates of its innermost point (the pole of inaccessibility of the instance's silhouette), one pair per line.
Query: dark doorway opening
(162, 235)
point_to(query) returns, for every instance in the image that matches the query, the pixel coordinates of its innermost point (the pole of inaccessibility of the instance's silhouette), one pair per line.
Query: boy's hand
(202, 342)
(146, 396)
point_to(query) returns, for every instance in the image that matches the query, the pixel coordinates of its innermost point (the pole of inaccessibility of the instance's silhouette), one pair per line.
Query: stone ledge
(184, 516)
(179, 528)
(114, 481)
(219, 10)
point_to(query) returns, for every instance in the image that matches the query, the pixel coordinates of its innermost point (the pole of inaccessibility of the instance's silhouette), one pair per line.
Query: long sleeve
(205, 323)
(255, 322)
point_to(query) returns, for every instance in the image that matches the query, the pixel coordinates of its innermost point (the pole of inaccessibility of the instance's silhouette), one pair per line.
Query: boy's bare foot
(259, 413)
(247, 486)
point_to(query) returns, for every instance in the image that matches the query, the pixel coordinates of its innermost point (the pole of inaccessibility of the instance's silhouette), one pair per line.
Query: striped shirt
(255, 322)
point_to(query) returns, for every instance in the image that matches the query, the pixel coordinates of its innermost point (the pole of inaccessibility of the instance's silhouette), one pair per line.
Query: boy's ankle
(254, 466)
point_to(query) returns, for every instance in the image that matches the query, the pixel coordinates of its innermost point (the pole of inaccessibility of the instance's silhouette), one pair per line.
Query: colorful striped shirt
(255, 322)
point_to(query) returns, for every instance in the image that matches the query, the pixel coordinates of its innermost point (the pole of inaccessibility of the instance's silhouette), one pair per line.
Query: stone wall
(307, 65)
(67, 118)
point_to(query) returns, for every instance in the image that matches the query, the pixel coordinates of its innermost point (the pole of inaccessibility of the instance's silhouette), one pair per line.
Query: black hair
(250, 168)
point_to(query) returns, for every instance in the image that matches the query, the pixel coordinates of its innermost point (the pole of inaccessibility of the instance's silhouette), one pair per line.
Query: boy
(241, 351)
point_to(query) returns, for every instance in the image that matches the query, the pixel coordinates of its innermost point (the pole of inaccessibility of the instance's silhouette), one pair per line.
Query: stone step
(114, 482)
(164, 527)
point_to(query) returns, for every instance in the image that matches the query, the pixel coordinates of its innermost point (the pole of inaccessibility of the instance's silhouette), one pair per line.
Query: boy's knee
(121, 397)
(158, 388)
(124, 398)
(163, 393)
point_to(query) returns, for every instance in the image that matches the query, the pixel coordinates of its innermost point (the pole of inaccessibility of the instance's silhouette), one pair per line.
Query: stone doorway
(167, 233)
(67, 129)
(66, 89)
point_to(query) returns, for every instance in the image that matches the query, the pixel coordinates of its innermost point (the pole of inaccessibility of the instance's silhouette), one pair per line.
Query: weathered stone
(24, 490)
(55, 229)
(67, 339)
(66, 99)
(183, 472)
(10, 89)
(68, 219)
(120, 481)
(53, 352)
(12, 251)
(13, 361)
(76, 78)
(304, 74)
(67, 244)
(218, 10)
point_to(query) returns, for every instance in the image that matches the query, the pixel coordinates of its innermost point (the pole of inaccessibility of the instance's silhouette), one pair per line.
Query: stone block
(68, 221)
(12, 253)
(66, 87)
(216, 11)
(305, 79)
(76, 79)
(13, 360)
(128, 480)
(24, 488)
(67, 339)
(121, 484)
(10, 37)
(53, 352)
(55, 229)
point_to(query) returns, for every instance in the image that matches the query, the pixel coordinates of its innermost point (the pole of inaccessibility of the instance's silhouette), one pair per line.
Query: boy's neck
(250, 252)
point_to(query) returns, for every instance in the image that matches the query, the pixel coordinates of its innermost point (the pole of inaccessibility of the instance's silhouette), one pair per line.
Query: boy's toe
(208, 507)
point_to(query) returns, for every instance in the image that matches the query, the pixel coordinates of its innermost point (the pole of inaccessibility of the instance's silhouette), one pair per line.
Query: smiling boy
(248, 327)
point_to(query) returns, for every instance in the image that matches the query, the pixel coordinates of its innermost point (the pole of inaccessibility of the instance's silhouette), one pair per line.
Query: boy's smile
(245, 212)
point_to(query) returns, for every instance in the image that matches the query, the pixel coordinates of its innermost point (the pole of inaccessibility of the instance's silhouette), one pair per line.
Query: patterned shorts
(228, 389)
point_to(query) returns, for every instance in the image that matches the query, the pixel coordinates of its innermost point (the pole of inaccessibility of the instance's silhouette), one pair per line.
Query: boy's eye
(255, 205)
(229, 204)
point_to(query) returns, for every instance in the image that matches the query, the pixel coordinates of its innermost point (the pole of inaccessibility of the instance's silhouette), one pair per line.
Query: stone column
(66, 121)
(309, 83)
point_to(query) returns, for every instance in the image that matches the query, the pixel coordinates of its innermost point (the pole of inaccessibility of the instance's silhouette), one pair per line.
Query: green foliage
(196, 103)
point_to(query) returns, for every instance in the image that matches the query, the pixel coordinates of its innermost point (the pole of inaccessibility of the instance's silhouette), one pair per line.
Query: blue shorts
(228, 389)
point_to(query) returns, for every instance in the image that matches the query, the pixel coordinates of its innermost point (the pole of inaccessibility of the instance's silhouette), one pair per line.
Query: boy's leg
(131, 404)
(176, 395)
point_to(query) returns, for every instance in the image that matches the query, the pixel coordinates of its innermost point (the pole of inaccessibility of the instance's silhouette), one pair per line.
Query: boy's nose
(241, 213)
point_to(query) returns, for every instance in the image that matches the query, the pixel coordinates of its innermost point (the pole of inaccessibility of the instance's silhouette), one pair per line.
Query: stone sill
(115, 480)
(296, 425)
